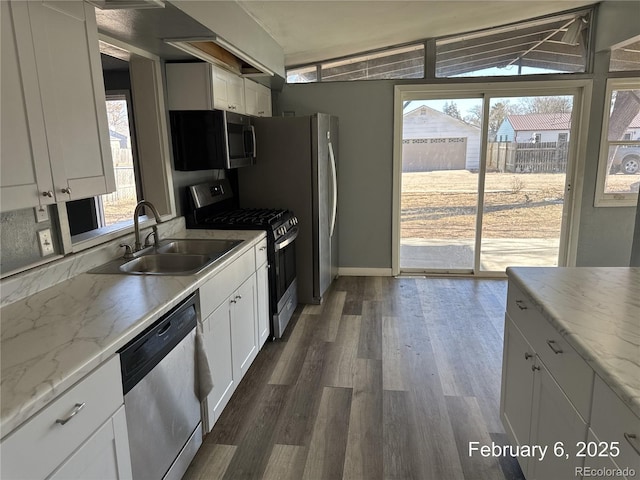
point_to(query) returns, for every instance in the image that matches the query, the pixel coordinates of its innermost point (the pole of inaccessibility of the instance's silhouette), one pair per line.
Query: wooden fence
(125, 177)
(543, 157)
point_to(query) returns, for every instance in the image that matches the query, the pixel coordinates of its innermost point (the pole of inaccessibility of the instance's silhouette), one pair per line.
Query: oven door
(284, 287)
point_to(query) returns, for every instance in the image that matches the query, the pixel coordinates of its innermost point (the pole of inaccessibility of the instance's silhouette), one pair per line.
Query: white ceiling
(313, 30)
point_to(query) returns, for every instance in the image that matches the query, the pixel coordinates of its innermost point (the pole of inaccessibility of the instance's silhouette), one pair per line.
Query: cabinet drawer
(566, 366)
(216, 290)
(613, 421)
(41, 444)
(261, 252)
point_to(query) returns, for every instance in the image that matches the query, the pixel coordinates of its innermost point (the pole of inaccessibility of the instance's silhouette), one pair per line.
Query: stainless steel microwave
(208, 139)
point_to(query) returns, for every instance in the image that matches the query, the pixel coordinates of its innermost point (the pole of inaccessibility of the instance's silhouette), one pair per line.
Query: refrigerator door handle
(334, 177)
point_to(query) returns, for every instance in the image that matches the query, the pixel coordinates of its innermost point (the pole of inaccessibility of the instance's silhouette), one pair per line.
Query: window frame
(613, 199)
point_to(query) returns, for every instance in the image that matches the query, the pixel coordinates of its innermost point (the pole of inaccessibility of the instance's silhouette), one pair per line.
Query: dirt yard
(442, 204)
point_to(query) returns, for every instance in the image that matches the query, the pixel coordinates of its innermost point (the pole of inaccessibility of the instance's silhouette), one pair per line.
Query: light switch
(46, 244)
(42, 214)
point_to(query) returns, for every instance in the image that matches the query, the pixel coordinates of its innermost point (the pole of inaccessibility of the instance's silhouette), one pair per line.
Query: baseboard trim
(364, 272)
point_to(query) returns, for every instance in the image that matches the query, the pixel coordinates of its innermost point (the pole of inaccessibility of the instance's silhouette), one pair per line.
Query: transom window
(550, 45)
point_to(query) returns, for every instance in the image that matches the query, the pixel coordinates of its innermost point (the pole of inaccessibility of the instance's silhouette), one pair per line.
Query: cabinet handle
(262, 249)
(66, 190)
(48, 193)
(76, 408)
(238, 297)
(521, 305)
(552, 346)
(535, 367)
(628, 437)
(527, 355)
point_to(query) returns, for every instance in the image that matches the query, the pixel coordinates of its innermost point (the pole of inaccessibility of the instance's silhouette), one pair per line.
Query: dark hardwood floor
(390, 378)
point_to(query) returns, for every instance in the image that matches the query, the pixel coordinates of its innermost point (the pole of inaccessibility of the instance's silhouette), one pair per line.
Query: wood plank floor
(390, 378)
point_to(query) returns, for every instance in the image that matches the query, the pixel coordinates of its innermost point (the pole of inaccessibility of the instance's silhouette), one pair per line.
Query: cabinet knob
(48, 194)
(66, 190)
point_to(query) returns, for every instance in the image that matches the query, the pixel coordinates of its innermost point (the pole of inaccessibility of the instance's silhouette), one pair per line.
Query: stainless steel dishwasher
(161, 406)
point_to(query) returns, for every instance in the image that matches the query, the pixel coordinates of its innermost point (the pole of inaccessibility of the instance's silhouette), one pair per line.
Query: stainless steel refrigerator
(296, 169)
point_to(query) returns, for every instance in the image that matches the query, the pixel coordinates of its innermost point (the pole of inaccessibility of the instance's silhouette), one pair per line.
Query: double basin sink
(171, 257)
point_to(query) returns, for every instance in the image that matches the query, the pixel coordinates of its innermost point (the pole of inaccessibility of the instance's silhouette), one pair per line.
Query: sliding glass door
(484, 181)
(440, 166)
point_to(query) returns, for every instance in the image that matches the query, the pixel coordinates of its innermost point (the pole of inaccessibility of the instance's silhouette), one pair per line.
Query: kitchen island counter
(597, 311)
(53, 338)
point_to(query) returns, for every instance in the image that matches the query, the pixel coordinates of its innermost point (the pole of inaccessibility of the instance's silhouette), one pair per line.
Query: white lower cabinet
(555, 424)
(552, 398)
(104, 455)
(80, 435)
(516, 401)
(546, 392)
(232, 305)
(616, 429)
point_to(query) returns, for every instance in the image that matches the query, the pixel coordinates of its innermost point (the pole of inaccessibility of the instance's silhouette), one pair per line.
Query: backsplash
(19, 286)
(19, 238)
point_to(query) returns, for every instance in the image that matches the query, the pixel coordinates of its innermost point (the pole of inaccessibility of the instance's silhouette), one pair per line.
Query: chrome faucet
(144, 203)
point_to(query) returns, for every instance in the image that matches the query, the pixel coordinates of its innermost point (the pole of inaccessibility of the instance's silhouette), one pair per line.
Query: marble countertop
(53, 338)
(597, 311)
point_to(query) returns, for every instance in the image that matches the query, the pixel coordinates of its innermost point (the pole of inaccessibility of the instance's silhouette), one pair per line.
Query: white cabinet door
(264, 101)
(262, 303)
(243, 328)
(65, 41)
(517, 391)
(257, 99)
(554, 421)
(104, 455)
(25, 172)
(217, 337)
(189, 86)
(228, 91)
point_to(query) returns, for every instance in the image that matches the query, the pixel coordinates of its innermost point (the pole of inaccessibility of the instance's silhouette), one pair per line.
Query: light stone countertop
(53, 338)
(597, 311)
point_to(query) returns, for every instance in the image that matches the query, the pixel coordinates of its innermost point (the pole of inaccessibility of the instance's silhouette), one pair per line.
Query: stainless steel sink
(158, 264)
(172, 257)
(197, 247)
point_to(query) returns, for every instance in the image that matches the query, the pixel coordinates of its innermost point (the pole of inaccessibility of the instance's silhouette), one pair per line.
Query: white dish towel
(205, 380)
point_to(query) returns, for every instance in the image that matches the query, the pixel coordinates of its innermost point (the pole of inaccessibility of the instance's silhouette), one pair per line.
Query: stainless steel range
(213, 205)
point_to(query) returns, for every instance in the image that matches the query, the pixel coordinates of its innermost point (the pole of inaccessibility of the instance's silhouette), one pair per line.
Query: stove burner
(247, 216)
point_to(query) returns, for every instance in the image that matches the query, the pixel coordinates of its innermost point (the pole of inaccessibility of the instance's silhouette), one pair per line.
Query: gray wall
(365, 162)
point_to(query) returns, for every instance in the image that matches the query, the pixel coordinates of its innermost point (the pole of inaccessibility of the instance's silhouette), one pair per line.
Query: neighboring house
(535, 128)
(432, 140)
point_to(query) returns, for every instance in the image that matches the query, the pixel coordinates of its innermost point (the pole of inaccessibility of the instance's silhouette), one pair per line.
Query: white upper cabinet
(57, 149)
(228, 91)
(202, 86)
(257, 98)
(25, 173)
